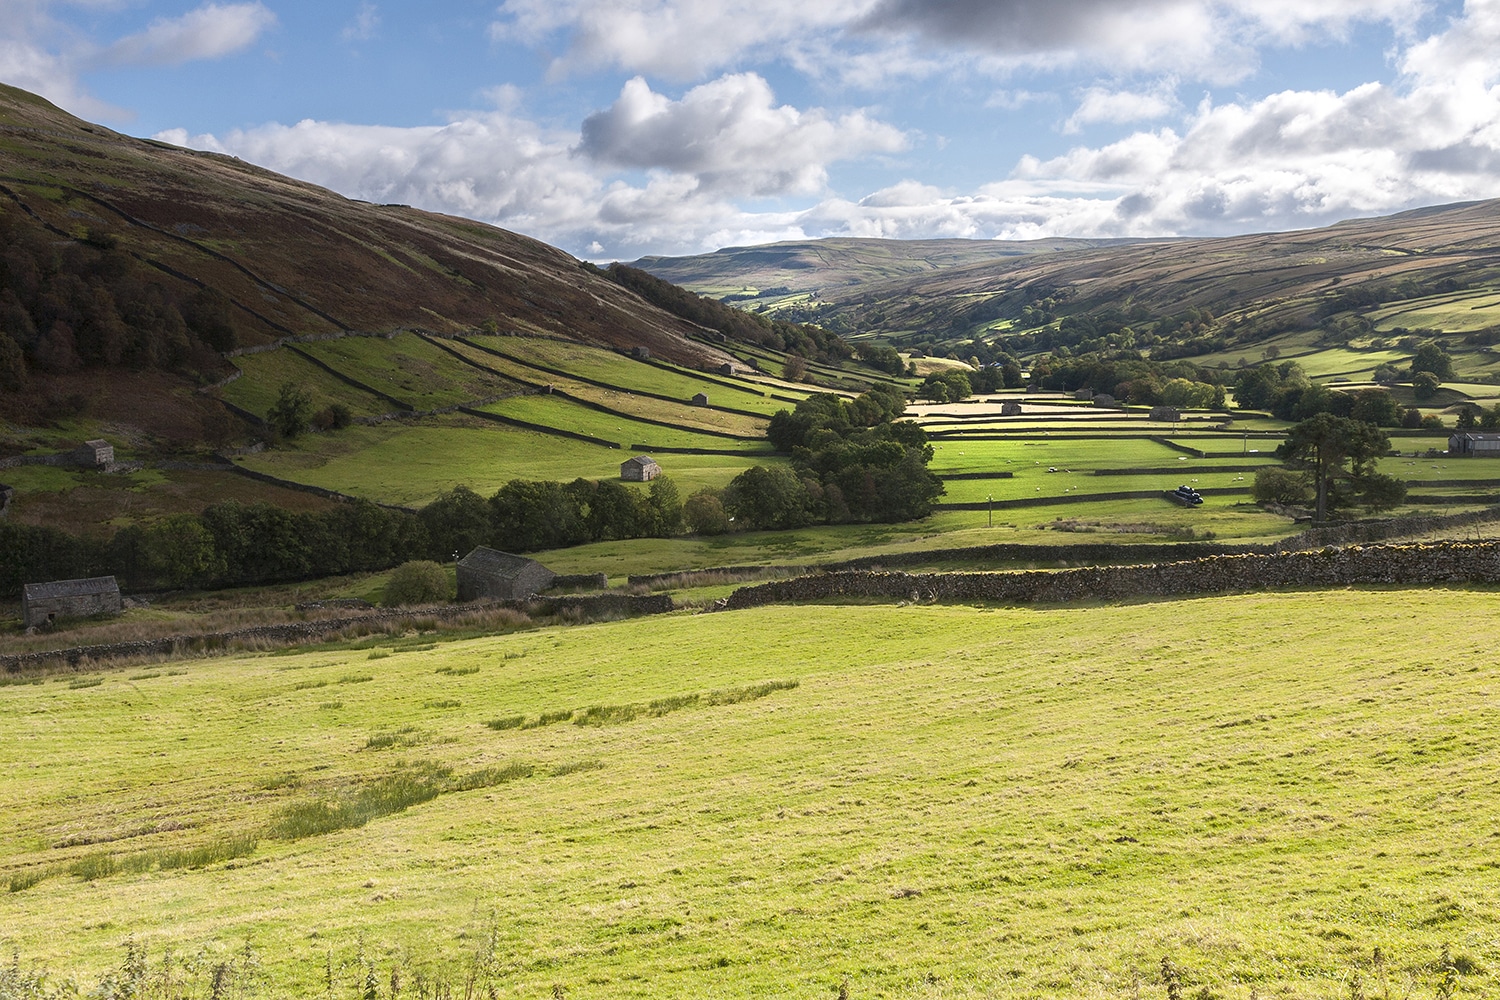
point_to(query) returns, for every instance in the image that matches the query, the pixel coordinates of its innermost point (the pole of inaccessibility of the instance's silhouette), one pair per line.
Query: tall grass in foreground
(483, 972)
(609, 715)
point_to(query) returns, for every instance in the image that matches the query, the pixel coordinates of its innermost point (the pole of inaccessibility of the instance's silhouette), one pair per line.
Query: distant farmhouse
(43, 603)
(487, 572)
(1472, 445)
(640, 469)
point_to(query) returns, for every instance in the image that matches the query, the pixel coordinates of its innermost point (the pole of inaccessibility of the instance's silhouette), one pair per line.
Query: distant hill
(1251, 286)
(125, 255)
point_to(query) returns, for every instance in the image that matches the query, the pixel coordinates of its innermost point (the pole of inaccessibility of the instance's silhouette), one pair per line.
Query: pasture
(410, 464)
(949, 802)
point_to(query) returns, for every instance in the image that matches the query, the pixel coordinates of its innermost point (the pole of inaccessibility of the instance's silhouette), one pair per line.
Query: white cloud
(1100, 104)
(209, 32)
(732, 136)
(678, 39)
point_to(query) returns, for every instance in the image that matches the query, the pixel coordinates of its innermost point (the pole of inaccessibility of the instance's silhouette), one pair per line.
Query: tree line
(233, 544)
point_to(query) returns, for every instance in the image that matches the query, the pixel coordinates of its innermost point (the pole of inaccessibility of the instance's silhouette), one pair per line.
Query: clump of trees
(86, 303)
(1287, 392)
(851, 461)
(1133, 379)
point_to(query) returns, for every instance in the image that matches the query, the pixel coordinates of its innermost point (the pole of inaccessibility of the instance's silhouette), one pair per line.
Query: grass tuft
(442, 703)
(509, 722)
(406, 736)
(457, 671)
(575, 766)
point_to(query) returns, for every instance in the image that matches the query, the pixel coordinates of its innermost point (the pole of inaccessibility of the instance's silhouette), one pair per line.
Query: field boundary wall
(1423, 563)
(586, 605)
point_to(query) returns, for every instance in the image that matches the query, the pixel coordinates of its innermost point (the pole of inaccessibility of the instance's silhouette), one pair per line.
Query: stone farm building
(94, 454)
(1010, 408)
(701, 399)
(640, 469)
(1470, 444)
(487, 572)
(42, 603)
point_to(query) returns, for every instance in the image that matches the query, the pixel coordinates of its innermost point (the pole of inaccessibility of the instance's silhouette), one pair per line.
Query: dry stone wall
(1429, 563)
(586, 606)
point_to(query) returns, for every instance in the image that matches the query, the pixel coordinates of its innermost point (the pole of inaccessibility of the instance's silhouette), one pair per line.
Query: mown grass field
(411, 464)
(952, 802)
(616, 369)
(556, 411)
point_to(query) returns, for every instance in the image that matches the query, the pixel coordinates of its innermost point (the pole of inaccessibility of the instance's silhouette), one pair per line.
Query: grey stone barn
(701, 399)
(94, 454)
(640, 469)
(1471, 444)
(1010, 408)
(487, 572)
(42, 603)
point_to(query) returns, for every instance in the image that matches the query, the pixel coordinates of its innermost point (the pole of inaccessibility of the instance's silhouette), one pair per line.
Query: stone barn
(43, 603)
(94, 454)
(1165, 413)
(1470, 444)
(701, 399)
(487, 572)
(1010, 408)
(727, 368)
(1105, 399)
(1084, 394)
(641, 353)
(641, 469)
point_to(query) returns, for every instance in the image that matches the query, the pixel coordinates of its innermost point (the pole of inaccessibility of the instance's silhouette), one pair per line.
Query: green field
(410, 464)
(1456, 312)
(267, 371)
(616, 369)
(410, 369)
(952, 802)
(1032, 483)
(950, 456)
(556, 411)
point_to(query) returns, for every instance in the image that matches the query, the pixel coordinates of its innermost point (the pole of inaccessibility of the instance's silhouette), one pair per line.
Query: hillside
(1254, 286)
(125, 254)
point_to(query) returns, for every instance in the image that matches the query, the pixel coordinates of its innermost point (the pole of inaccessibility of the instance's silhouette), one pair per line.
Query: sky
(620, 128)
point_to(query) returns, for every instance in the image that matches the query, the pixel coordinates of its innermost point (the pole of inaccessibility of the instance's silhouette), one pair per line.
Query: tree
(1432, 358)
(794, 369)
(762, 497)
(704, 513)
(456, 521)
(665, 506)
(1281, 486)
(418, 582)
(1424, 385)
(293, 408)
(1325, 444)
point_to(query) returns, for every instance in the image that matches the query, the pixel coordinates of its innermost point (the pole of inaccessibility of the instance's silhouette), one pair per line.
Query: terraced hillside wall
(1427, 563)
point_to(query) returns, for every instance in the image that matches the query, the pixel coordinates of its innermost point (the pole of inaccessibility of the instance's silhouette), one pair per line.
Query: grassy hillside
(951, 802)
(1429, 270)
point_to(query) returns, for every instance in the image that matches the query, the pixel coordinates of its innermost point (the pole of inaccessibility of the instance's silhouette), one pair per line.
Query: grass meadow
(405, 463)
(948, 802)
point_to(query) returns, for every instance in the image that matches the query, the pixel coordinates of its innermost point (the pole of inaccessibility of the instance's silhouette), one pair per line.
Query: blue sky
(617, 128)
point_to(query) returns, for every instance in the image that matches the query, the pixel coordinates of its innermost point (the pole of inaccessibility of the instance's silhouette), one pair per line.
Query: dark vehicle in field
(1186, 496)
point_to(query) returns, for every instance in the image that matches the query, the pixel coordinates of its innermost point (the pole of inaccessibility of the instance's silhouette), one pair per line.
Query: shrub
(420, 581)
(1278, 485)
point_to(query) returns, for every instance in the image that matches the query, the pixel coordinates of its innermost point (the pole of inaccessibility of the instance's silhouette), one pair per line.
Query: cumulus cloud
(732, 136)
(1208, 39)
(38, 52)
(677, 39)
(208, 32)
(1100, 104)
(720, 142)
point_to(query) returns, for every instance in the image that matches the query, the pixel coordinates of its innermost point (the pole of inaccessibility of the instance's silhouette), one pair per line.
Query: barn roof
(641, 460)
(493, 562)
(70, 588)
(1476, 436)
(97, 443)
